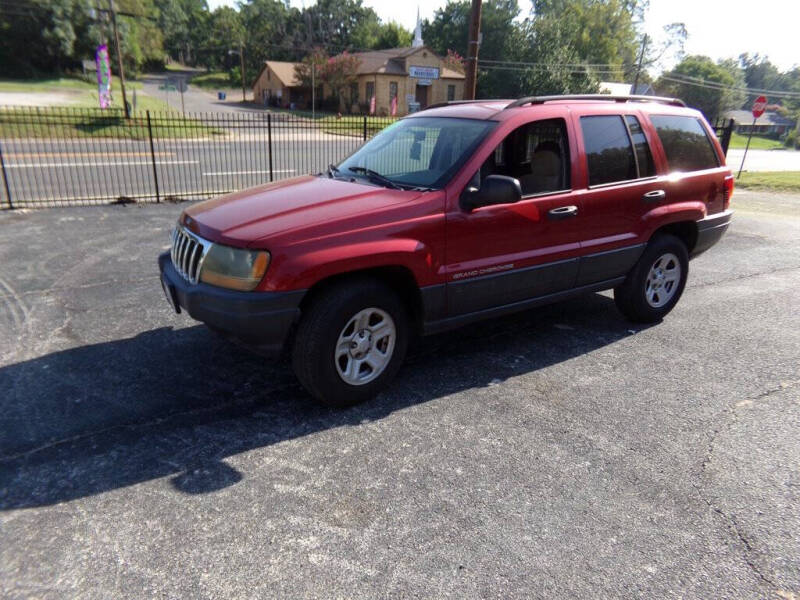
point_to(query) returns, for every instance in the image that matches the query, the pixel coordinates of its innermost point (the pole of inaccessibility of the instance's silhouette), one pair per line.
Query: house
(626, 89)
(416, 76)
(770, 123)
(278, 85)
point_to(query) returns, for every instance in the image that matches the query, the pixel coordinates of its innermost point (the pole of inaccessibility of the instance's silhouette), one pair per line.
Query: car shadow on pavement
(175, 403)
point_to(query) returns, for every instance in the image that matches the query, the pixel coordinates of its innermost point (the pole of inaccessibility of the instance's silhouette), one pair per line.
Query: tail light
(727, 190)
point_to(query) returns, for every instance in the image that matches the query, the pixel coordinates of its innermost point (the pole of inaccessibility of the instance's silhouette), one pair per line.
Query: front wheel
(350, 342)
(655, 284)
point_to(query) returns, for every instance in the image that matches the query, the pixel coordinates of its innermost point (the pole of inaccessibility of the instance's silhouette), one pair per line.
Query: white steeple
(418, 33)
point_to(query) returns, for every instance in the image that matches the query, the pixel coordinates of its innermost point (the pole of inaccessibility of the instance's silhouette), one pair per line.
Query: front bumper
(710, 230)
(259, 318)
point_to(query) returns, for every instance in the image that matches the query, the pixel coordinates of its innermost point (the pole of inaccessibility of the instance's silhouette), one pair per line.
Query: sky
(717, 28)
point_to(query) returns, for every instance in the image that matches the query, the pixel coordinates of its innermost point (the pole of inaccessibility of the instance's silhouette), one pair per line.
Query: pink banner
(103, 76)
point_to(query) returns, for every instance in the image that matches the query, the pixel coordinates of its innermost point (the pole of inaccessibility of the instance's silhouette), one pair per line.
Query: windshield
(421, 152)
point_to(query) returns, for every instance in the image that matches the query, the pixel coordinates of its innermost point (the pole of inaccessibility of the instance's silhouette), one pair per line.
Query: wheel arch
(398, 278)
(686, 231)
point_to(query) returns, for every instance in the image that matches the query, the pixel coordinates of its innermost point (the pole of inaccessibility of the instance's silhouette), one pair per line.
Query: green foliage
(562, 37)
(710, 101)
(391, 35)
(792, 140)
(337, 72)
(46, 37)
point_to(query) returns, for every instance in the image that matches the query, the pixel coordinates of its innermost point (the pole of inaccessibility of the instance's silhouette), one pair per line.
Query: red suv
(464, 211)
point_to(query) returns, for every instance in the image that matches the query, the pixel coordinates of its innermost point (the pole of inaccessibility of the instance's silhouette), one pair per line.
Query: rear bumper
(258, 318)
(710, 230)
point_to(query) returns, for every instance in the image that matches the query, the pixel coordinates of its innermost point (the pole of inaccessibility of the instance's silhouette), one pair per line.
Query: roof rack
(598, 97)
(455, 102)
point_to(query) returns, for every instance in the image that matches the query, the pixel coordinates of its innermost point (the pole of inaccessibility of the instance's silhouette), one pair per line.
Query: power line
(713, 85)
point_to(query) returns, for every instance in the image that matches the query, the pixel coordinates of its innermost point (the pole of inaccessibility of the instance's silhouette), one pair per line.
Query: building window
(392, 89)
(370, 90)
(268, 75)
(354, 93)
(451, 93)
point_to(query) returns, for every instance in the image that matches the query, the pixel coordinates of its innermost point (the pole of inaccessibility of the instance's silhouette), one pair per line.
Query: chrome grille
(188, 251)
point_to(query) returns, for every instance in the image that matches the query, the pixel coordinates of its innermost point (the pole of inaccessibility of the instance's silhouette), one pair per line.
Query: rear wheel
(655, 284)
(350, 342)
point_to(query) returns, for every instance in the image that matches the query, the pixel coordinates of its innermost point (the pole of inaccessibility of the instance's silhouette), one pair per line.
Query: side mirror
(495, 189)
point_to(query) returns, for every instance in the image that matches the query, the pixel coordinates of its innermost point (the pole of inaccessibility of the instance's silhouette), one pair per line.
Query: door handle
(654, 196)
(562, 212)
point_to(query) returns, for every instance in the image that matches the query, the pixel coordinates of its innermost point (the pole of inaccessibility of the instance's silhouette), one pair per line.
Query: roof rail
(455, 102)
(598, 97)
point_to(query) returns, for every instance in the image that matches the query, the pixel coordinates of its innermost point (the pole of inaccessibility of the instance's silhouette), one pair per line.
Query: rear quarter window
(685, 143)
(609, 153)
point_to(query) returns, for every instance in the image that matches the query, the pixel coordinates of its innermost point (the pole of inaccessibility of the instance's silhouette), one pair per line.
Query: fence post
(153, 156)
(5, 178)
(727, 131)
(365, 128)
(269, 142)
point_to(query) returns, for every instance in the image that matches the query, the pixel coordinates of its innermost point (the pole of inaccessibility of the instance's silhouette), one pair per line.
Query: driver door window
(536, 154)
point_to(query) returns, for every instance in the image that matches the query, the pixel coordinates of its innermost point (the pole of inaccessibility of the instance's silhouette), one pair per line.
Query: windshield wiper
(333, 170)
(376, 177)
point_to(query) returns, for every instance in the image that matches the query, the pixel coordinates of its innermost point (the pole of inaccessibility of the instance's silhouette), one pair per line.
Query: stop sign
(759, 106)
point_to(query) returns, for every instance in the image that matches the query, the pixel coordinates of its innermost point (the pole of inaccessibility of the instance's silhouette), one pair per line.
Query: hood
(245, 217)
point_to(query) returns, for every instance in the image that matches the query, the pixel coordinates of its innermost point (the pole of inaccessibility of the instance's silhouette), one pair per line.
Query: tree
(315, 60)
(392, 35)
(703, 84)
(341, 24)
(501, 40)
(557, 68)
(337, 72)
(47, 36)
(225, 32)
(599, 32)
(271, 31)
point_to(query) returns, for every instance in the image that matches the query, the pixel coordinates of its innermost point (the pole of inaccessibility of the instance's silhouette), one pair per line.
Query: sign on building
(423, 72)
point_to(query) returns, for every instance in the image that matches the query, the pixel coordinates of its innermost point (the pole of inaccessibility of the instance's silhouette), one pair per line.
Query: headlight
(234, 268)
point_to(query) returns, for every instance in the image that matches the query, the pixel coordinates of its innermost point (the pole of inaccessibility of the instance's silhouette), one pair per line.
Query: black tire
(318, 333)
(631, 297)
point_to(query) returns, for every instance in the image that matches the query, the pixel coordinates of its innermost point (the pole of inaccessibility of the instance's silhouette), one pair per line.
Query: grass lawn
(757, 143)
(780, 181)
(82, 118)
(81, 93)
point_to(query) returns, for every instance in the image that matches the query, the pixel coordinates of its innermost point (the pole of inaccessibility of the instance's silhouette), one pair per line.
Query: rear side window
(685, 142)
(608, 149)
(643, 156)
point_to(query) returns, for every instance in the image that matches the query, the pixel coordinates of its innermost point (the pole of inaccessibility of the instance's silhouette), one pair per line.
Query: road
(764, 160)
(195, 99)
(560, 453)
(95, 171)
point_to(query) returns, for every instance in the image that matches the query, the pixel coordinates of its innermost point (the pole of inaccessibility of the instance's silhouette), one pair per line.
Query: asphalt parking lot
(558, 453)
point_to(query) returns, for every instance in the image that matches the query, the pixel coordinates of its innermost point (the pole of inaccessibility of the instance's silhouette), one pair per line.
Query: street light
(240, 52)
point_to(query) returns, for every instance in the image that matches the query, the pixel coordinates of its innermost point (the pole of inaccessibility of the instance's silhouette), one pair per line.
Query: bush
(792, 140)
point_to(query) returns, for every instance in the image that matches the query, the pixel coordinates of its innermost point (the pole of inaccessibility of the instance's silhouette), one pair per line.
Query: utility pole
(119, 58)
(241, 59)
(472, 50)
(641, 59)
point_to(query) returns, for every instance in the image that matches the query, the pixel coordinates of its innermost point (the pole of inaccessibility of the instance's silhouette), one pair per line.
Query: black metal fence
(69, 157)
(724, 130)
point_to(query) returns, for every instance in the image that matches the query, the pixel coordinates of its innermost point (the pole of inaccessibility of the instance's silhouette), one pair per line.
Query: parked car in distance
(460, 212)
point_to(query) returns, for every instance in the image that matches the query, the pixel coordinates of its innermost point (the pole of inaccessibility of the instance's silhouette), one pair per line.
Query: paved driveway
(560, 453)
